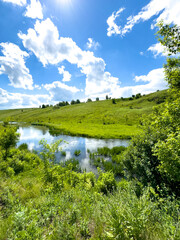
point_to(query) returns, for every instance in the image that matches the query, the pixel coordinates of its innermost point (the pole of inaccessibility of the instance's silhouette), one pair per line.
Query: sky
(59, 50)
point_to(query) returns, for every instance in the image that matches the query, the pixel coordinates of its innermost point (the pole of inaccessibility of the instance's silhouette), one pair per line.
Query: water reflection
(33, 134)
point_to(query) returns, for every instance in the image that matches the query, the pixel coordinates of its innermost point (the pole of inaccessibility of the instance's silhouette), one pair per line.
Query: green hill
(100, 119)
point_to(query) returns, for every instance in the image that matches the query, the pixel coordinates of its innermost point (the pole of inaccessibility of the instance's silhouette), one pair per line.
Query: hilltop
(100, 119)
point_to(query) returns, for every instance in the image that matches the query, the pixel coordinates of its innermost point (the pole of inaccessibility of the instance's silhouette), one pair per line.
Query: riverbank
(98, 131)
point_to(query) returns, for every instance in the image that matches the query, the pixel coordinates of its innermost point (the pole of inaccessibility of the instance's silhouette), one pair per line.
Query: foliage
(8, 139)
(113, 101)
(64, 203)
(89, 100)
(77, 152)
(154, 157)
(108, 160)
(168, 154)
(23, 146)
(169, 36)
(172, 73)
(106, 182)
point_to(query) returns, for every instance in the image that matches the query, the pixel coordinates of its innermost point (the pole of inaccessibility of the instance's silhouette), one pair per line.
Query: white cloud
(66, 74)
(45, 43)
(113, 28)
(97, 80)
(49, 48)
(91, 44)
(37, 86)
(18, 100)
(13, 64)
(17, 2)
(154, 81)
(60, 91)
(158, 49)
(168, 10)
(153, 76)
(34, 10)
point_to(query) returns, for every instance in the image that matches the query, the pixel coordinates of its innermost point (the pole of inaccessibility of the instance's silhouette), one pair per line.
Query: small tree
(8, 139)
(73, 102)
(97, 99)
(89, 100)
(107, 97)
(138, 95)
(78, 101)
(49, 151)
(113, 101)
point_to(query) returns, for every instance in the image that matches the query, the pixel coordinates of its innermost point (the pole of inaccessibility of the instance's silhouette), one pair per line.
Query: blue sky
(60, 50)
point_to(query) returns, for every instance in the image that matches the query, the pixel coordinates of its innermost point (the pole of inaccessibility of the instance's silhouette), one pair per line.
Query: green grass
(100, 119)
(32, 209)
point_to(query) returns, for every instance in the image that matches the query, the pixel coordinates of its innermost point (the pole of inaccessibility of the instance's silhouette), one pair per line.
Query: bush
(106, 182)
(23, 146)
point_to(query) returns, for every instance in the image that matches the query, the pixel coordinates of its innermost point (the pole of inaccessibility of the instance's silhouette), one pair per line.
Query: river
(33, 134)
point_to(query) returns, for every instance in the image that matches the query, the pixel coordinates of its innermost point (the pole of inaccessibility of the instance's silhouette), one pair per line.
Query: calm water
(33, 134)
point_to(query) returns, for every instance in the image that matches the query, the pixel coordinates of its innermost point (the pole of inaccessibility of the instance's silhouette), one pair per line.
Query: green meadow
(99, 119)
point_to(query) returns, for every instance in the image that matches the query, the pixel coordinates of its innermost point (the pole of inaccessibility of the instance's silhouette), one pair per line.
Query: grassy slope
(100, 119)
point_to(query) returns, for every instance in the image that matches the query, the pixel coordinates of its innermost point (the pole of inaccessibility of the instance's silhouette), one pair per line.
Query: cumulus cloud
(66, 74)
(60, 91)
(91, 44)
(113, 28)
(97, 80)
(18, 100)
(168, 10)
(34, 10)
(154, 81)
(158, 49)
(156, 76)
(44, 41)
(12, 63)
(17, 2)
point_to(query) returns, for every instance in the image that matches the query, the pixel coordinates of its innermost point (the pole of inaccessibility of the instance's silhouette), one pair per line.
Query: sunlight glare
(64, 2)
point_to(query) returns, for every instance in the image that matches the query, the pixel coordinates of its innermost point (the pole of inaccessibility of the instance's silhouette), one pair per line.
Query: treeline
(73, 102)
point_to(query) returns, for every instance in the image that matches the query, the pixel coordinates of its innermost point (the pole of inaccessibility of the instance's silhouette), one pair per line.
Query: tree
(8, 139)
(78, 101)
(154, 157)
(113, 101)
(172, 73)
(138, 95)
(89, 100)
(49, 151)
(73, 102)
(97, 99)
(107, 97)
(169, 36)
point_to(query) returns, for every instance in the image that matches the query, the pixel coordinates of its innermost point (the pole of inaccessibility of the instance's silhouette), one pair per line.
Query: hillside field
(99, 119)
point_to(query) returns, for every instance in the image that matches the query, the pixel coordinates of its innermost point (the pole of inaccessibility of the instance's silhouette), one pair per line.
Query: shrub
(106, 182)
